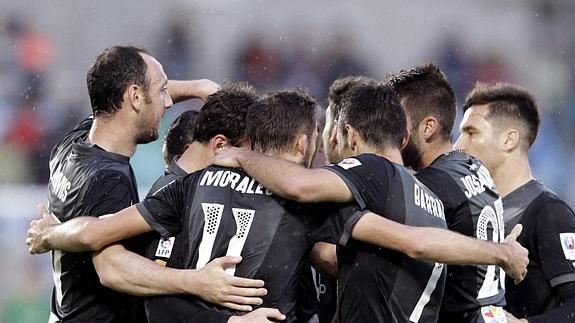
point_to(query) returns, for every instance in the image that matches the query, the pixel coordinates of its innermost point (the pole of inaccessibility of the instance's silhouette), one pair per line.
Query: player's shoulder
(366, 160)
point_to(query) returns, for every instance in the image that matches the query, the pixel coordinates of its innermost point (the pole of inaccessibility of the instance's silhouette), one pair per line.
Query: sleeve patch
(165, 247)
(349, 163)
(568, 244)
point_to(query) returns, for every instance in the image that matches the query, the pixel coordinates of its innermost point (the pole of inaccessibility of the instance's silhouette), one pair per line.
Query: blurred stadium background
(46, 48)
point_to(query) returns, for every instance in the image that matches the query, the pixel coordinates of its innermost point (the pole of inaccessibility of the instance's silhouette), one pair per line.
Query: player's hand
(261, 315)
(230, 157)
(218, 287)
(35, 240)
(518, 257)
(513, 319)
(206, 88)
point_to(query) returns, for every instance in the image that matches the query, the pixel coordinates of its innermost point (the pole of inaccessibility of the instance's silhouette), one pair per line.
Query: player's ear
(219, 142)
(511, 139)
(428, 127)
(135, 96)
(405, 139)
(352, 136)
(333, 137)
(301, 144)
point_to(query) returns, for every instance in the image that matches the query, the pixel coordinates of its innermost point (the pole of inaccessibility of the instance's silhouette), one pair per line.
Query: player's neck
(113, 136)
(432, 151)
(196, 157)
(513, 173)
(392, 154)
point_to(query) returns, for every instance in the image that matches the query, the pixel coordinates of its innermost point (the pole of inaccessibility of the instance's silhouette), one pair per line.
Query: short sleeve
(367, 177)
(109, 192)
(337, 223)
(164, 210)
(555, 242)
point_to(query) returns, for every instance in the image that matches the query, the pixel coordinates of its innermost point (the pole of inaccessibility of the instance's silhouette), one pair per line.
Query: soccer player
(376, 284)
(337, 89)
(499, 126)
(91, 174)
(472, 205)
(190, 144)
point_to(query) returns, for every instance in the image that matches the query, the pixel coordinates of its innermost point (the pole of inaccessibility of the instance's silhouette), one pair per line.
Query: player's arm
(83, 233)
(130, 273)
(192, 89)
(287, 179)
(554, 226)
(444, 246)
(323, 257)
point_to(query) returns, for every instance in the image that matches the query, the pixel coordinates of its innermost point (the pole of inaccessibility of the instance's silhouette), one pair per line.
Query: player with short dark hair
(231, 100)
(91, 174)
(337, 89)
(179, 136)
(499, 126)
(462, 183)
(381, 284)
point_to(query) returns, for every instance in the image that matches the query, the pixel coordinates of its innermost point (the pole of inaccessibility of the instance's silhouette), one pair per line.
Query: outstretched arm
(127, 272)
(444, 246)
(287, 179)
(185, 90)
(83, 233)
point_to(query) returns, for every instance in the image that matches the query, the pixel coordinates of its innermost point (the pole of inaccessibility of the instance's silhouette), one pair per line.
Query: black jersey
(377, 284)
(549, 236)
(223, 211)
(166, 251)
(86, 180)
(473, 208)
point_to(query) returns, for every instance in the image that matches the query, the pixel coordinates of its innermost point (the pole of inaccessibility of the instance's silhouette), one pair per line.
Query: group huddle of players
(240, 228)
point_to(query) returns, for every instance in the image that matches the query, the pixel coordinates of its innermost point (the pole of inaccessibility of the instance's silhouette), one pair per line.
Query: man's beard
(411, 154)
(148, 136)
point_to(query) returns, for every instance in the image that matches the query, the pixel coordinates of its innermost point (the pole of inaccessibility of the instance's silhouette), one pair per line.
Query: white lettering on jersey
(476, 184)
(349, 163)
(59, 184)
(243, 184)
(568, 244)
(427, 202)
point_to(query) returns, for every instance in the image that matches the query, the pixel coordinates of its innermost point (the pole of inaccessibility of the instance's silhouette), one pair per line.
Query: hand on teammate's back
(261, 315)
(216, 286)
(516, 266)
(229, 157)
(35, 239)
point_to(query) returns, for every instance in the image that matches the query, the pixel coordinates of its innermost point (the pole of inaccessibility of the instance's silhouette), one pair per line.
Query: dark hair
(342, 85)
(275, 120)
(424, 90)
(113, 71)
(224, 112)
(179, 134)
(375, 112)
(507, 101)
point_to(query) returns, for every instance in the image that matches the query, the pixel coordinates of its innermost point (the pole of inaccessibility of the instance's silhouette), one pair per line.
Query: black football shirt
(86, 180)
(473, 208)
(377, 284)
(549, 236)
(223, 211)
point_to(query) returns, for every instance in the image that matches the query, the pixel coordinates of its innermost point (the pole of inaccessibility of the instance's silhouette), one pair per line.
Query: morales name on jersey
(238, 182)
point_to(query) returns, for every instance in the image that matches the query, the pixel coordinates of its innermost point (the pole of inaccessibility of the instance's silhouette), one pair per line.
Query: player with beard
(473, 294)
(378, 284)
(91, 174)
(499, 126)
